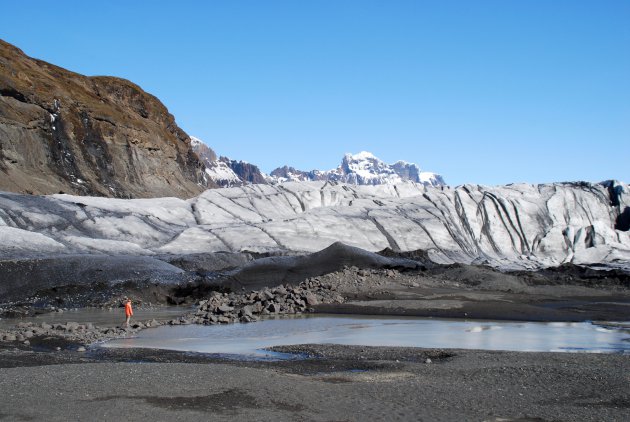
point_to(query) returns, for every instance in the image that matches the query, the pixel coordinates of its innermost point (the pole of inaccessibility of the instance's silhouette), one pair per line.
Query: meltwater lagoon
(251, 340)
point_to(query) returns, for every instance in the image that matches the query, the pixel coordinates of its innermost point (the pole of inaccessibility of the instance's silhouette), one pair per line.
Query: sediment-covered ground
(338, 383)
(56, 371)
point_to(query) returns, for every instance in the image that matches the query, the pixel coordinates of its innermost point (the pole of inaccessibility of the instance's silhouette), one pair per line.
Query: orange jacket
(128, 310)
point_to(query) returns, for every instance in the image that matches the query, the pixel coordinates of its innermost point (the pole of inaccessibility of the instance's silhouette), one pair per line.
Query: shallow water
(103, 317)
(250, 339)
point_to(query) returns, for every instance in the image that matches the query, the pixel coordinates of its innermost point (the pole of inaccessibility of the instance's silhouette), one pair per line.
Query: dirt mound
(272, 271)
(418, 255)
(208, 262)
(577, 275)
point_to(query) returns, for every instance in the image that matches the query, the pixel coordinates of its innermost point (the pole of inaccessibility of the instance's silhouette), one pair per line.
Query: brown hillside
(62, 131)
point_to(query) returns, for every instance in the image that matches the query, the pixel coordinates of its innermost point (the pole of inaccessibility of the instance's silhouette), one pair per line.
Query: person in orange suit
(128, 311)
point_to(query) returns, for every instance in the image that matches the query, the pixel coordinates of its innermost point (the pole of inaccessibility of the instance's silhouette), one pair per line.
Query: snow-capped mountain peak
(366, 166)
(362, 169)
(363, 155)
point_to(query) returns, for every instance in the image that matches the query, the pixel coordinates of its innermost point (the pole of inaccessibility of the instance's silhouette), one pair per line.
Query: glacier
(513, 226)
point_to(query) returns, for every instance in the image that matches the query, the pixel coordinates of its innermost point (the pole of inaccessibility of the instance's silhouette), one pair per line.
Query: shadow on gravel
(50, 343)
(14, 417)
(225, 401)
(590, 401)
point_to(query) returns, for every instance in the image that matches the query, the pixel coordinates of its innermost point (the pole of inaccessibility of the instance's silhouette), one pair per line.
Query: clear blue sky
(486, 92)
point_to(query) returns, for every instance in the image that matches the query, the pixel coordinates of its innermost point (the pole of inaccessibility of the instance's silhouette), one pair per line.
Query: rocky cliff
(103, 136)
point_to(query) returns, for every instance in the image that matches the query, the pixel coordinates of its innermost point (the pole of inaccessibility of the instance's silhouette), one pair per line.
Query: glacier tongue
(520, 225)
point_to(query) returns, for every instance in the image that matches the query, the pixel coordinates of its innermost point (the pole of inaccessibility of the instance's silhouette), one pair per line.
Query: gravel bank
(338, 383)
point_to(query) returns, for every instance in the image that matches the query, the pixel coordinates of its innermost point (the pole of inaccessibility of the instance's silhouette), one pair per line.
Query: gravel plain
(337, 383)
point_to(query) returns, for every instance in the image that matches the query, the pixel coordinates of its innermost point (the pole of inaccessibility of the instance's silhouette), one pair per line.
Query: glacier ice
(518, 225)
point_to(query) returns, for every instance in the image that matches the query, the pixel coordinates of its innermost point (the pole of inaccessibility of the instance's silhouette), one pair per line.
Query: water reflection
(249, 339)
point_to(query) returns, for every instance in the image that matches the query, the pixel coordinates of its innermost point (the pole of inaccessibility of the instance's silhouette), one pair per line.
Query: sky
(487, 92)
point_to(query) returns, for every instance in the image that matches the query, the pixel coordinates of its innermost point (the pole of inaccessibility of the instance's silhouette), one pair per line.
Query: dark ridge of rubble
(273, 271)
(208, 262)
(85, 275)
(419, 255)
(578, 275)
(95, 280)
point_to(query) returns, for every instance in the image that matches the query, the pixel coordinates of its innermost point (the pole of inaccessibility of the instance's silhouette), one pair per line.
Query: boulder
(246, 311)
(310, 299)
(224, 309)
(280, 290)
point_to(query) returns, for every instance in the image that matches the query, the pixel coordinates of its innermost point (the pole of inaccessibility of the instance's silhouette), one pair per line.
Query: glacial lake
(250, 340)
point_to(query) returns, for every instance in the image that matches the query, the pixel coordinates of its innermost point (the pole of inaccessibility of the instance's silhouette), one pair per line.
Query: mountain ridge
(357, 169)
(362, 168)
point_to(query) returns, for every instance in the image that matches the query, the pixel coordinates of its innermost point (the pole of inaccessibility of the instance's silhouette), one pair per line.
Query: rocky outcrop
(203, 151)
(247, 172)
(517, 226)
(225, 172)
(102, 136)
(285, 173)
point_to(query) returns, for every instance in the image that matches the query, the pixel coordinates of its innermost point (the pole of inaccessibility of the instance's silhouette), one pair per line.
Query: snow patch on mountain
(222, 174)
(196, 142)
